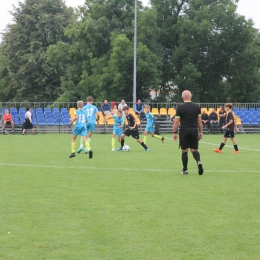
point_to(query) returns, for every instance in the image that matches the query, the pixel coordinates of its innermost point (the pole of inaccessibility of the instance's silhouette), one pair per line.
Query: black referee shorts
(133, 133)
(189, 138)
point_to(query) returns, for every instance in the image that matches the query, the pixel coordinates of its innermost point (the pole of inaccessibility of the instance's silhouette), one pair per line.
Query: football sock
(196, 156)
(145, 139)
(235, 147)
(81, 142)
(73, 147)
(144, 146)
(86, 145)
(89, 141)
(221, 146)
(184, 158)
(113, 142)
(158, 137)
(122, 142)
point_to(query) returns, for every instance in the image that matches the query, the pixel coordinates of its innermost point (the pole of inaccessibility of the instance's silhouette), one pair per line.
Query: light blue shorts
(118, 131)
(91, 127)
(82, 131)
(149, 129)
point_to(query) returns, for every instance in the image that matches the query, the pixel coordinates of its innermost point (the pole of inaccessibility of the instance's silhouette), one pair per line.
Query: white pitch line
(118, 169)
(229, 146)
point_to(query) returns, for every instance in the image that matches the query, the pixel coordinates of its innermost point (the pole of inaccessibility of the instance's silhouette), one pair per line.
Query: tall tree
(38, 24)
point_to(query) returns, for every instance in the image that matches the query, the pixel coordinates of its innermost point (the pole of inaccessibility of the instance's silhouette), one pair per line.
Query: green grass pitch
(133, 205)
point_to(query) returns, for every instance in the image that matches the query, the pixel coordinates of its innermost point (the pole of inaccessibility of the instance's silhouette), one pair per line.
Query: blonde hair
(147, 106)
(80, 104)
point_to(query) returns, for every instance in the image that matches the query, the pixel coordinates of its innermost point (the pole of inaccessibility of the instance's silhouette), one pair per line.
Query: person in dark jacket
(106, 108)
(222, 118)
(139, 109)
(213, 117)
(205, 119)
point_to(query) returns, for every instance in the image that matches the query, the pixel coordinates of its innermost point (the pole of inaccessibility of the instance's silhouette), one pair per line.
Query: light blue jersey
(80, 126)
(150, 122)
(91, 111)
(118, 122)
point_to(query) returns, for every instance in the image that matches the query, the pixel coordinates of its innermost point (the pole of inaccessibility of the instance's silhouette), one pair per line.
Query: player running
(131, 130)
(150, 125)
(229, 126)
(118, 128)
(91, 111)
(80, 127)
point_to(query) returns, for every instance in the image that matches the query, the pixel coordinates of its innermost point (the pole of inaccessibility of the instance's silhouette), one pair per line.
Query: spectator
(121, 106)
(114, 110)
(139, 109)
(8, 120)
(205, 119)
(222, 118)
(113, 103)
(28, 122)
(213, 117)
(106, 108)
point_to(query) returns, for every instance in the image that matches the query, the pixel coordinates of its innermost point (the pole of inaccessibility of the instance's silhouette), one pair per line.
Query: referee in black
(188, 115)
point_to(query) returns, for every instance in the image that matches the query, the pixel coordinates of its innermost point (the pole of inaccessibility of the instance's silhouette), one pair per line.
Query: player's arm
(200, 126)
(133, 127)
(154, 120)
(175, 128)
(74, 119)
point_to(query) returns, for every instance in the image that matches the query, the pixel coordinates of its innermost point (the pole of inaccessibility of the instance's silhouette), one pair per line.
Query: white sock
(81, 146)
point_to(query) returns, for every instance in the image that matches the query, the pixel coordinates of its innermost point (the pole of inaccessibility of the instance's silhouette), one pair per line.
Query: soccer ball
(126, 148)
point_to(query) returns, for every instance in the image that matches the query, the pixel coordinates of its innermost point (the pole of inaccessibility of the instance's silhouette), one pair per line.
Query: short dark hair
(125, 108)
(229, 105)
(89, 98)
(28, 108)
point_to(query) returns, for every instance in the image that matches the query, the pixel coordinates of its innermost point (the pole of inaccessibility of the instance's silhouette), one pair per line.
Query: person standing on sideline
(222, 118)
(28, 122)
(188, 115)
(230, 127)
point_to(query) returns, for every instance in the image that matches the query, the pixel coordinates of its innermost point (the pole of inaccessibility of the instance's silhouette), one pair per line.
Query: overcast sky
(248, 8)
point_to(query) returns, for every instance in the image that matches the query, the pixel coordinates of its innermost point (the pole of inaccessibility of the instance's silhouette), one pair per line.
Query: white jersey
(28, 114)
(121, 106)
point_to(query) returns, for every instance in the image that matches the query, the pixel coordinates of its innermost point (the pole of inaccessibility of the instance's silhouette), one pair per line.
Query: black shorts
(189, 138)
(133, 133)
(229, 134)
(27, 125)
(8, 123)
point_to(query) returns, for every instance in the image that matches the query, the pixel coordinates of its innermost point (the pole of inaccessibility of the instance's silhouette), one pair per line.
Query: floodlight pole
(135, 55)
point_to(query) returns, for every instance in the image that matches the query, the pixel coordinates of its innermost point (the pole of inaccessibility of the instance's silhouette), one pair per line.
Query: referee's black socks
(122, 142)
(184, 158)
(196, 156)
(235, 147)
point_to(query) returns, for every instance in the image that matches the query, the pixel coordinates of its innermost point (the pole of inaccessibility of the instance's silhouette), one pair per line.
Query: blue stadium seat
(242, 116)
(56, 114)
(34, 121)
(40, 116)
(247, 113)
(3, 110)
(16, 120)
(250, 116)
(58, 121)
(246, 121)
(48, 114)
(47, 109)
(41, 121)
(258, 109)
(238, 113)
(235, 109)
(255, 113)
(254, 121)
(22, 110)
(251, 109)
(56, 109)
(64, 109)
(50, 121)
(244, 109)
(13, 110)
(66, 121)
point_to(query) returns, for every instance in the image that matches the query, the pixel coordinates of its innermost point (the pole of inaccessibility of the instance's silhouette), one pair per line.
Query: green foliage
(38, 24)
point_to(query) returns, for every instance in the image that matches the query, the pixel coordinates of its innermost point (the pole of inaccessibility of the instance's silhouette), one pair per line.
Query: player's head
(90, 99)
(126, 110)
(228, 106)
(147, 108)
(80, 104)
(119, 113)
(186, 96)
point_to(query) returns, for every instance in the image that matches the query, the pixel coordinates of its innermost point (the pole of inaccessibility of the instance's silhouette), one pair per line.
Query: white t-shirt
(28, 114)
(121, 106)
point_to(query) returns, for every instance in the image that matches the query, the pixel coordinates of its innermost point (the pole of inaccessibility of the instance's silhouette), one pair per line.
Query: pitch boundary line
(229, 146)
(117, 169)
